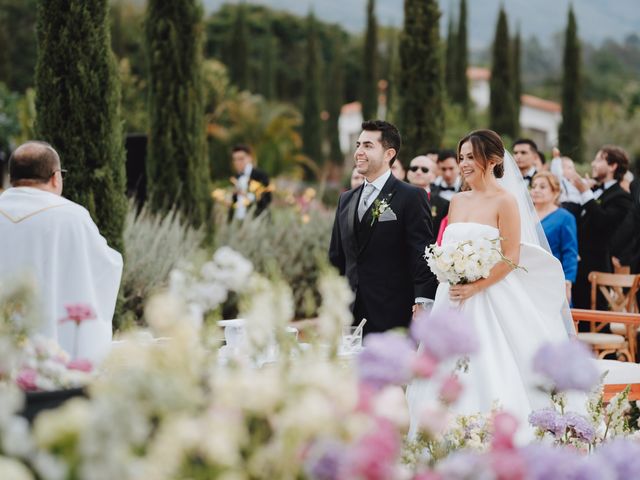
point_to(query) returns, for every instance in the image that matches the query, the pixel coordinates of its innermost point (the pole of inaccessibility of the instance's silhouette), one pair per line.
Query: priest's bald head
(36, 164)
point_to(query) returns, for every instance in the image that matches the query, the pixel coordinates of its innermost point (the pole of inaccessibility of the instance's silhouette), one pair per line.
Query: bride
(513, 312)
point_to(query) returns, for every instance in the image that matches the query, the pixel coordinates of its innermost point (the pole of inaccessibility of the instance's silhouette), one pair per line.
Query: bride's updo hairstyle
(486, 146)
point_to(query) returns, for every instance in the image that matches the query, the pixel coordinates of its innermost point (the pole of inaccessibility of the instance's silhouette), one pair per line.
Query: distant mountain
(597, 19)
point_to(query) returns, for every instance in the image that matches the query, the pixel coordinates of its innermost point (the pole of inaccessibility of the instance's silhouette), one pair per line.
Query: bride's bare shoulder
(506, 200)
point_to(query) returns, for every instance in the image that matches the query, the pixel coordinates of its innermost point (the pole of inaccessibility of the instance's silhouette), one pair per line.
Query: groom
(379, 235)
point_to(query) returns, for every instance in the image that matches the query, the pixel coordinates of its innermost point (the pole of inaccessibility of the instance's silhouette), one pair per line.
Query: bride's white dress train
(512, 320)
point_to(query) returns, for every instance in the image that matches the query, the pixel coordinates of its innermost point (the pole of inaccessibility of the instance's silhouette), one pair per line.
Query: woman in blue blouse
(558, 224)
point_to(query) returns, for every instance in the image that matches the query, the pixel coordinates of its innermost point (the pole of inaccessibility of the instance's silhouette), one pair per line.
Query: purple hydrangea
(387, 359)
(547, 462)
(623, 456)
(445, 334)
(463, 465)
(325, 460)
(593, 468)
(548, 420)
(568, 365)
(580, 427)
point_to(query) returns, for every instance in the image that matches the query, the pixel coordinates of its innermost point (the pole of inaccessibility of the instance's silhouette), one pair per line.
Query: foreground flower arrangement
(171, 409)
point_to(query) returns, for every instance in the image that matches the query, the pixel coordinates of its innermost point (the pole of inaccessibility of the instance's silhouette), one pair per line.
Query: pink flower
(508, 465)
(373, 456)
(505, 427)
(27, 379)
(424, 365)
(80, 364)
(78, 313)
(366, 394)
(450, 389)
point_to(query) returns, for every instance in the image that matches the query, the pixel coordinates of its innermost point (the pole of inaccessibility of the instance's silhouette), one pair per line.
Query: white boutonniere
(379, 207)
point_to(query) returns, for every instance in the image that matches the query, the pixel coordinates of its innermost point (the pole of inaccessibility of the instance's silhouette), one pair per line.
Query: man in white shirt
(56, 242)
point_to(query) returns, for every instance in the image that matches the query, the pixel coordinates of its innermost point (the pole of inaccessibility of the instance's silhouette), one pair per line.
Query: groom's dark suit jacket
(384, 262)
(598, 222)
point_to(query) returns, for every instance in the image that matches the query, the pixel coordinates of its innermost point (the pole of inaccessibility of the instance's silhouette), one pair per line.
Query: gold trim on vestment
(18, 220)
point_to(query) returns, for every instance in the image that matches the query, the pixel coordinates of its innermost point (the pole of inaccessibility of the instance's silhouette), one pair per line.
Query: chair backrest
(612, 286)
(631, 321)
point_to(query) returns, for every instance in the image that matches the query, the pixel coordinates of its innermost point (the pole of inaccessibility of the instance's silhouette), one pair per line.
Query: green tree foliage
(290, 33)
(391, 72)
(268, 67)
(501, 112)
(422, 114)
(517, 80)
(312, 124)
(77, 107)
(18, 43)
(335, 96)
(461, 92)
(238, 55)
(369, 93)
(570, 132)
(177, 165)
(450, 60)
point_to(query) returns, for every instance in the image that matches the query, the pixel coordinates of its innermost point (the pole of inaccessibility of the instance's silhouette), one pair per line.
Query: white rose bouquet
(465, 261)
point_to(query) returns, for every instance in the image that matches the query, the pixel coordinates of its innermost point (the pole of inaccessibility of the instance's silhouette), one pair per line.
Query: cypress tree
(238, 53)
(393, 67)
(570, 132)
(517, 81)
(501, 111)
(462, 60)
(450, 61)
(312, 126)
(77, 107)
(268, 67)
(177, 166)
(335, 98)
(370, 66)
(421, 77)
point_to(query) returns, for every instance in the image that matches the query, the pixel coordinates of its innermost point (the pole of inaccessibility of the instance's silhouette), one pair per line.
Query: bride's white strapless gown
(511, 319)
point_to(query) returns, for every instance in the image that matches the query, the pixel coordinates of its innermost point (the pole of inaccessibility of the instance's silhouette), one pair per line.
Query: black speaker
(136, 147)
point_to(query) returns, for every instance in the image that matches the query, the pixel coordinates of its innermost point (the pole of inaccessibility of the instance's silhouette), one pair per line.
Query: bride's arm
(509, 227)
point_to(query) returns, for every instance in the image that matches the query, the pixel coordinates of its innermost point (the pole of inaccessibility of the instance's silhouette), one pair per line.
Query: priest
(56, 242)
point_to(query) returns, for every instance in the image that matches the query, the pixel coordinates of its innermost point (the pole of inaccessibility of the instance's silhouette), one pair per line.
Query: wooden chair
(619, 290)
(623, 346)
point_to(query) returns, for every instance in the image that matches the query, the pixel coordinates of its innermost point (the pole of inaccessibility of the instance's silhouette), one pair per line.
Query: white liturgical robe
(57, 242)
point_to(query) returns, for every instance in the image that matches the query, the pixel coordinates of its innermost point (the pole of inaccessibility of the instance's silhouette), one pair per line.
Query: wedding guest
(449, 181)
(603, 210)
(563, 168)
(558, 224)
(525, 153)
(421, 174)
(398, 170)
(357, 178)
(252, 187)
(540, 162)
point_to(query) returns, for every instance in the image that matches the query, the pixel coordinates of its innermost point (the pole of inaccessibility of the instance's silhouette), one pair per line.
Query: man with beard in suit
(252, 186)
(379, 236)
(603, 209)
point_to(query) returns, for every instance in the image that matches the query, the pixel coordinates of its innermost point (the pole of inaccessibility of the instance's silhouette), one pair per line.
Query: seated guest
(525, 153)
(563, 168)
(421, 173)
(55, 241)
(558, 224)
(398, 171)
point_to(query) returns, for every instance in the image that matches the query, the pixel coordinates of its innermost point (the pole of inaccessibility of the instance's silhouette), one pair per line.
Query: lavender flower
(465, 465)
(623, 456)
(548, 420)
(444, 335)
(387, 358)
(546, 462)
(325, 460)
(568, 365)
(593, 468)
(580, 427)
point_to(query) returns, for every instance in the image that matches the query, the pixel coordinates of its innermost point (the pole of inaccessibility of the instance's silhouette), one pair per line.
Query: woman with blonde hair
(558, 224)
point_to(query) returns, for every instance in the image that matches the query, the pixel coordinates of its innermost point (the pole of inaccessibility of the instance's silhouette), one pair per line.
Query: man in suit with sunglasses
(422, 173)
(379, 236)
(54, 241)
